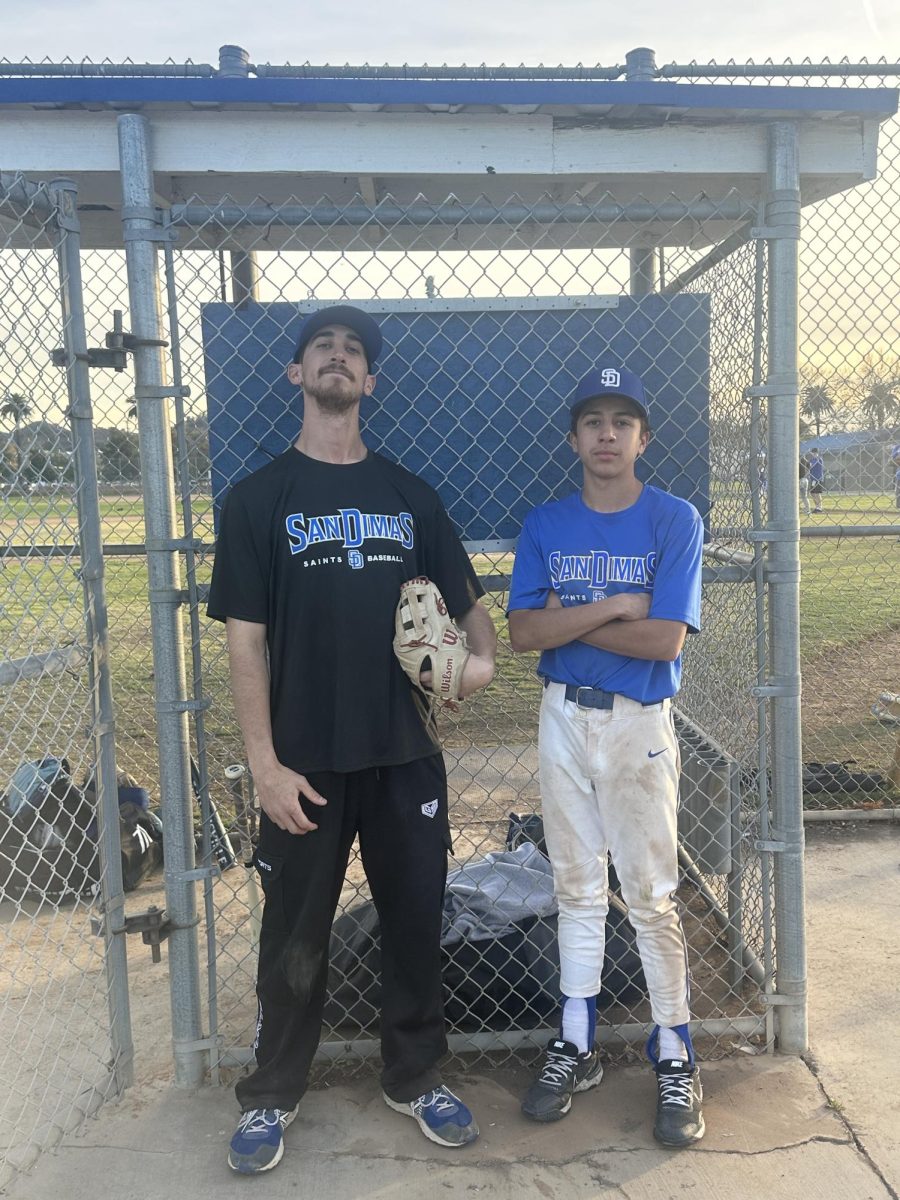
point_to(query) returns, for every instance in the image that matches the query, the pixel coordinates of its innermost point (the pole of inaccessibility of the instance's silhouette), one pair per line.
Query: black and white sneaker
(564, 1071)
(679, 1117)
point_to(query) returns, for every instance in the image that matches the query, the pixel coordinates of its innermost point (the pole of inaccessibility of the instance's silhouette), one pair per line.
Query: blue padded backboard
(473, 395)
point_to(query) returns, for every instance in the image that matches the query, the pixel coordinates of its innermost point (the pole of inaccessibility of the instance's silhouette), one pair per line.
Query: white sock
(671, 1046)
(576, 1022)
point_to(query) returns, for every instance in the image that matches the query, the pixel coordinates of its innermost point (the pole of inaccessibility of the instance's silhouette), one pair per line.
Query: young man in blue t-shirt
(606, 585)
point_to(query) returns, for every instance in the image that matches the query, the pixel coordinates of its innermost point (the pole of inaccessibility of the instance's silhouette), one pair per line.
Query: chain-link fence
(850, 411)
(491, 309)
(63, 987)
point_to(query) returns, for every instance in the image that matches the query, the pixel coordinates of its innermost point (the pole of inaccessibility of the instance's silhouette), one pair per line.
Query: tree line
(867, 400)
(40, 453)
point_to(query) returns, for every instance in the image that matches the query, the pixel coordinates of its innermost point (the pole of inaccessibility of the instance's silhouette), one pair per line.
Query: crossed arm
(619, 623)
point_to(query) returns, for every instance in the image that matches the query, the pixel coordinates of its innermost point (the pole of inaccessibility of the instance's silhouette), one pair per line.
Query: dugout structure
(515, 225)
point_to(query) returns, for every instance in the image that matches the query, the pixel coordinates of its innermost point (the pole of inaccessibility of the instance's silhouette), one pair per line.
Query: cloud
(510, 31)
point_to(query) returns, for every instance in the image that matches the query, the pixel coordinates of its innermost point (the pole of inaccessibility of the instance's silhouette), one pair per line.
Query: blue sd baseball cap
(609, 381)
(342, 314)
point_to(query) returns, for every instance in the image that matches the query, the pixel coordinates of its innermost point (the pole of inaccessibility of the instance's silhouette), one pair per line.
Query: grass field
(849, 627)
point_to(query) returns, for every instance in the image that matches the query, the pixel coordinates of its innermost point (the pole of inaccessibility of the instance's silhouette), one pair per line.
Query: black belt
(588, 697)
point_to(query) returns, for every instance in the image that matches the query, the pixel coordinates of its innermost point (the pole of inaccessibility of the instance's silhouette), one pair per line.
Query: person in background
(816, 478)
(804, 484)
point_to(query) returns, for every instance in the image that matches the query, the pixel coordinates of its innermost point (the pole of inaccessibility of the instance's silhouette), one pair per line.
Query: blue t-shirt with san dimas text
(654, 546)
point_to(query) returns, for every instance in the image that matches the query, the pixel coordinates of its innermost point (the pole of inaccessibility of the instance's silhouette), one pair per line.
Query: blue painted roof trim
(764, 100)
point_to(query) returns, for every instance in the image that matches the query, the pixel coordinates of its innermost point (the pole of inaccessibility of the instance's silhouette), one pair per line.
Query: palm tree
(817, 404)
(881, 406)
(18, 408)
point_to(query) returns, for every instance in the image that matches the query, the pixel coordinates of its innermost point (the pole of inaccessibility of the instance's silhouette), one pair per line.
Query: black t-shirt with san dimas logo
(317, 552)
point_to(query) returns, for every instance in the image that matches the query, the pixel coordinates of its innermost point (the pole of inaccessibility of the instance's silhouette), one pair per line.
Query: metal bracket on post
(773, 533)
(154, 926)
(164, 231)
(143, 392)
(779, 843)
(168, 595)
(767, 233)
(166, 234)
(183, 706)
(763, 390)
(786, 686)
(782, 217)
(114, 356)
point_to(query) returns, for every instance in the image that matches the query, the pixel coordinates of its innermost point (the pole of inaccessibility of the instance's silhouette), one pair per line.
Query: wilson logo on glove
(425, 639)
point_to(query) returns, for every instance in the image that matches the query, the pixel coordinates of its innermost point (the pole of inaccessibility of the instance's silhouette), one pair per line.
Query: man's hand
(633, 606)
(279, 789)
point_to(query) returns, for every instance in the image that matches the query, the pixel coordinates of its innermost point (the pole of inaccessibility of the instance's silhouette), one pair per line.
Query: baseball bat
(234, 774)
(219, 842)
(252, 807)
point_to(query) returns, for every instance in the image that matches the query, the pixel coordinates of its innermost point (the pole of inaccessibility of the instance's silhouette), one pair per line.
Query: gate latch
(112, 356)
(154, 926)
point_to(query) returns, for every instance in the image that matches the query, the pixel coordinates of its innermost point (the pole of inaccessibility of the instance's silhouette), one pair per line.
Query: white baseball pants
(609, 782)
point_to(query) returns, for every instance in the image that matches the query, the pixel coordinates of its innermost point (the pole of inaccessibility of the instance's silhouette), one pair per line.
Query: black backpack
(140, 830)
(48, 844)
(48, 834)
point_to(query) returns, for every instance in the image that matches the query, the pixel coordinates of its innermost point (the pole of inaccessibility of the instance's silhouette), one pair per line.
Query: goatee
(333, 397)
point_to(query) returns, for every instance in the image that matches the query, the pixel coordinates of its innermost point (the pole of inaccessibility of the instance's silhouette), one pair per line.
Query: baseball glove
(425, 638)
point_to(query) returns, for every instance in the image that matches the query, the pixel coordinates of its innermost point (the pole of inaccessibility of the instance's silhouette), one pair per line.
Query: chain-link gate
(499, 302)
(65, 1008)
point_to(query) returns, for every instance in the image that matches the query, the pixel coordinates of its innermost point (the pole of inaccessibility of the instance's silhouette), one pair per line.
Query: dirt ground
(839, 689)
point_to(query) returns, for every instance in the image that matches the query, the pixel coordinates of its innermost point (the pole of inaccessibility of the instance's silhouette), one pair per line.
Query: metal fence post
(97, 630)
(244, 277)
(141, 239)
(640, 67)
(782, 533)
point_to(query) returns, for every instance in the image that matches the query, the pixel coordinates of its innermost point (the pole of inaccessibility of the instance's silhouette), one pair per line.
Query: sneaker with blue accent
(564, 1072)
(679, 1093)
(442, 1117)
(258, 1142)
(679, 1114)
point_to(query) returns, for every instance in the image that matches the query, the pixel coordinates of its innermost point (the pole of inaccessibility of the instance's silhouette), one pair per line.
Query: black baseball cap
(609, 380)
(361, 323)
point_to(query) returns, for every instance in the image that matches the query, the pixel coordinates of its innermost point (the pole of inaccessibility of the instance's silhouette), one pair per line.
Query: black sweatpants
(400, 814)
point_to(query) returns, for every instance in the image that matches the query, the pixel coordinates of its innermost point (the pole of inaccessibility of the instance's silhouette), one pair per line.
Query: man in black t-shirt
(310, 555)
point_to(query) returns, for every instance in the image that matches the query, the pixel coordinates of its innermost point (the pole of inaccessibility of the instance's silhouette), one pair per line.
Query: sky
(454, 31)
